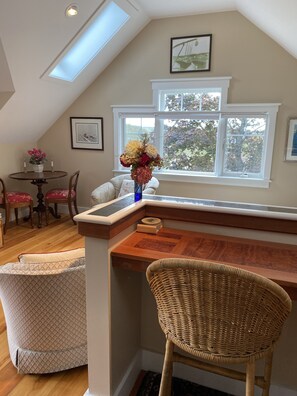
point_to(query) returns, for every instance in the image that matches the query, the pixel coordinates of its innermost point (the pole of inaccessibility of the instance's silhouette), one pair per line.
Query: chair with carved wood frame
(14, 200)
(218, 314)
(59, 196)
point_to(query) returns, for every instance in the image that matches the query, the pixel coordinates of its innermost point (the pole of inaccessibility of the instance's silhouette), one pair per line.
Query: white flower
(132, 148)
(151, 151)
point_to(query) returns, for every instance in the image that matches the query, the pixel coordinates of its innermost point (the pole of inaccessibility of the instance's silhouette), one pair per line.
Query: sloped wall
(6, 84)
(261, 71)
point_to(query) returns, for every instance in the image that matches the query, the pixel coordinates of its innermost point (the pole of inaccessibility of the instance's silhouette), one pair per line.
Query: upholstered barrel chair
(119, 186)
(44, 303)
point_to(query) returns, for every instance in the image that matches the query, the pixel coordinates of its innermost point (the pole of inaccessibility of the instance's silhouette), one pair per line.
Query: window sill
(223, 180)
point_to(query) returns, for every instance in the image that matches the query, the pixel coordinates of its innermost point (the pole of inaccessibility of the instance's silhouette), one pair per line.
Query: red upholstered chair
(14, 200)
(59, 195)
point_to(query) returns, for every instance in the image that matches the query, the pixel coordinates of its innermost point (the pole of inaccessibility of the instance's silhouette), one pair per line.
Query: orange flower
(141, 174)
(142, 157)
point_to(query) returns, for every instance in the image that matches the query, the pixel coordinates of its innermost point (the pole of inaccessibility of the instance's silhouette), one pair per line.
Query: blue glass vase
(137, 191)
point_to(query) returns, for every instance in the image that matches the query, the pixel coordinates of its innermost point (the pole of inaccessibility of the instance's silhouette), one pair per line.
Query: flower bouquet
(37, 156)
(37, 159)
(142, 157)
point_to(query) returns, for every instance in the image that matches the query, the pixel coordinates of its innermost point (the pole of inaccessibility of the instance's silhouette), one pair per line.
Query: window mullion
(177, 115)
(159, 132)
(220, 149)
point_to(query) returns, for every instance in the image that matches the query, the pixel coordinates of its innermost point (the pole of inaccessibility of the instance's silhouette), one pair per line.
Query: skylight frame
(59, 69)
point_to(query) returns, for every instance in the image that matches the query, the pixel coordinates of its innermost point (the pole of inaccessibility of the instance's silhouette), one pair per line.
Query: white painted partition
(113, 296)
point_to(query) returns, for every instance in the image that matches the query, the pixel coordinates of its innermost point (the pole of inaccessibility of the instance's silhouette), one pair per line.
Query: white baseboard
(63, 208)
(129, 379)
(21, 213)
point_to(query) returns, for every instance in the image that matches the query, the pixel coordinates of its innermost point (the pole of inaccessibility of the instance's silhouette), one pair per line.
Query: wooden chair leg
(267, 374)
(75, 206)
(31, 214)
(56, 209)
(46, 212)
(166, 380)
(16, 213)
(250, 379)
(7, 216)
(70, 210)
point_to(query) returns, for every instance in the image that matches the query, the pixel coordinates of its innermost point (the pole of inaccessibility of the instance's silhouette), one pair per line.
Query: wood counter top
(275, 261)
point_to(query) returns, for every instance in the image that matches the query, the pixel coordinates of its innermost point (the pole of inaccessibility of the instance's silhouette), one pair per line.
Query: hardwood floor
(59, 235)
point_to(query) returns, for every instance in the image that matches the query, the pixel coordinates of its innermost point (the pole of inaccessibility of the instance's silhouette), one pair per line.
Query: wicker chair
(218, 314)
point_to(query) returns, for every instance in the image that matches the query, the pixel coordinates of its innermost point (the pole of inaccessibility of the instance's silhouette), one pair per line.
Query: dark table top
(38, 175)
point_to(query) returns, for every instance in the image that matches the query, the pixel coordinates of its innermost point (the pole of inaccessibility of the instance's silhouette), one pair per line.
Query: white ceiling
(34, 34)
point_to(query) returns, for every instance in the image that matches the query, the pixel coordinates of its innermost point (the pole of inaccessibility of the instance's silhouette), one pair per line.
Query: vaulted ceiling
(33, 34)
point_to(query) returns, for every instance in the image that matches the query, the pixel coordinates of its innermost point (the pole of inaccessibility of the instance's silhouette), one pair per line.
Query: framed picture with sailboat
(190, 53)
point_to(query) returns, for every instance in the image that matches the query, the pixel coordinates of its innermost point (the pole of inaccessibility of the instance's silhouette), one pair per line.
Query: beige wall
(12, 158)
(261, 72)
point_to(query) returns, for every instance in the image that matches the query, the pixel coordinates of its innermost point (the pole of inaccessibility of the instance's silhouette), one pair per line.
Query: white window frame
(222, 83)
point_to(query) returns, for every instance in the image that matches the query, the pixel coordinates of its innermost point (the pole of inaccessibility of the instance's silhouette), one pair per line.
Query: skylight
(109, 21)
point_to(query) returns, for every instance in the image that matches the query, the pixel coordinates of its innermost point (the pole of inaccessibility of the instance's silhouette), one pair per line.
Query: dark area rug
(151, 382)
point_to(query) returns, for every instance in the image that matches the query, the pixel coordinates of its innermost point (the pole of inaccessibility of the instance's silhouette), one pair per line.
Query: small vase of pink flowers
(37, 159)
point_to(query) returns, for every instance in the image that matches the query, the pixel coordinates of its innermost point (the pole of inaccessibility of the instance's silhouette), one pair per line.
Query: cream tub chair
(119, 186)
(44, 303)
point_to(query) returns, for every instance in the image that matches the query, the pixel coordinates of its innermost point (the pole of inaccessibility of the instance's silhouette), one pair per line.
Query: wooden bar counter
(275, 261)
(259, 238)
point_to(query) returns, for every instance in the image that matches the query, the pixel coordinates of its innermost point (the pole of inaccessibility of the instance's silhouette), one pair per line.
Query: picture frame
(190, 53)
(87, 133)
(291, 148)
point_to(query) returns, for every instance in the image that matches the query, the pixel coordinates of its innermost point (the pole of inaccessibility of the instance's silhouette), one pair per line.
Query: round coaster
(151, 220)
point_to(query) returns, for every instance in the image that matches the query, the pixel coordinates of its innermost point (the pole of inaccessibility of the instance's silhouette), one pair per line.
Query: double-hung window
(200, 137)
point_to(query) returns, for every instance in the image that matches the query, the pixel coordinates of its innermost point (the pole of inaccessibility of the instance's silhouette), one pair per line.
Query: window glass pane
(199, 100)
(172, 102)
(97, 35)
(189, 145)
(244, 145)
(191, 102)
(210, 101)
(135, 127)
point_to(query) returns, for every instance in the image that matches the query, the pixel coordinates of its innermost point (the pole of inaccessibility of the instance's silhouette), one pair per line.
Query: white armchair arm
(113, 188)
(104, 193)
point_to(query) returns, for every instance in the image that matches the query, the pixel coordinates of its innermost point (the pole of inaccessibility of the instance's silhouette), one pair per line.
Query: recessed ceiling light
(72, 10)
